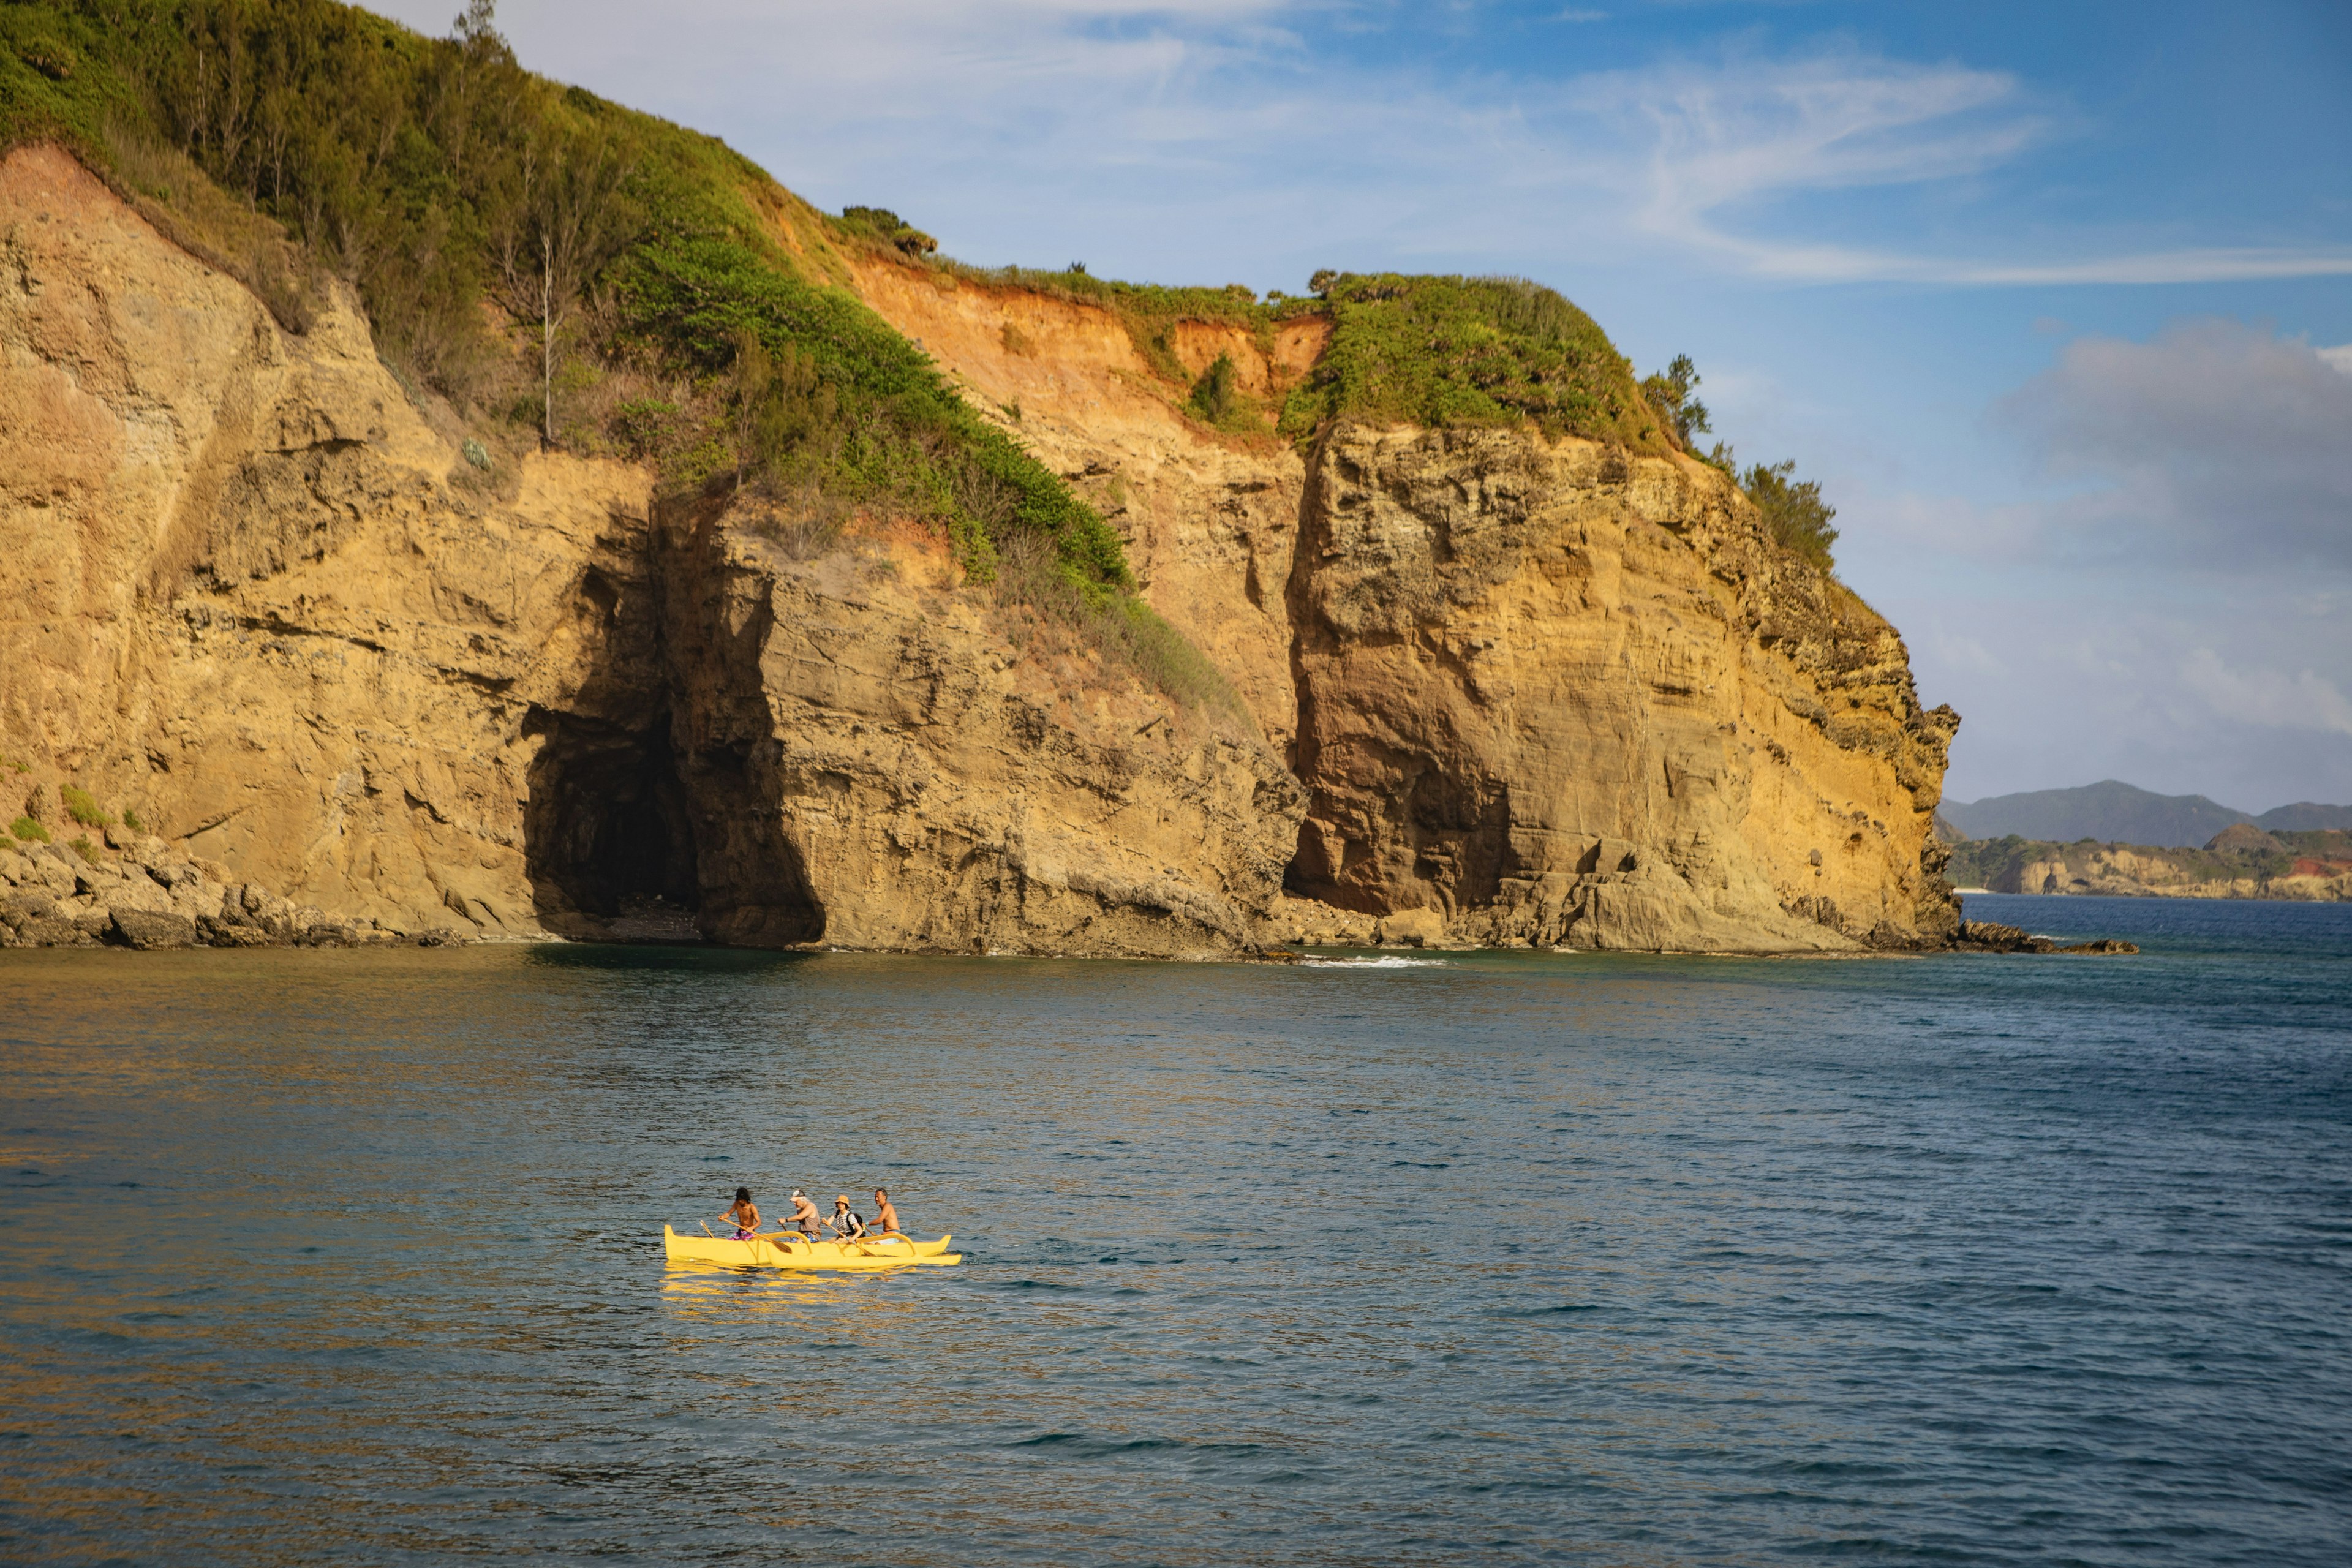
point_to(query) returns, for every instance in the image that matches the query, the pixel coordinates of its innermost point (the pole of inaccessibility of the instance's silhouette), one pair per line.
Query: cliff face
(1560, 695)
(1503, 688)
(247, 590)
(1536, 691)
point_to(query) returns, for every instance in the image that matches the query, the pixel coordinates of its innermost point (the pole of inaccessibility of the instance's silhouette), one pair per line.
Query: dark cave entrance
(609, 835)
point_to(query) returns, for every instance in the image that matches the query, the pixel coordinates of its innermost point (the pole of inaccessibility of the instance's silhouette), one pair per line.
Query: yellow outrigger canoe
(790, 1249)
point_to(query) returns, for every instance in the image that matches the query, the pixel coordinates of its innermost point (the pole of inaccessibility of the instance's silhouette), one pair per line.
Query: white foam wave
(1374, 963)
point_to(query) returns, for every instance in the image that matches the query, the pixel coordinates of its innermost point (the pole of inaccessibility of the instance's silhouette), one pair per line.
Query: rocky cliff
(251, 594)
(1536, 691)
(1499, 688)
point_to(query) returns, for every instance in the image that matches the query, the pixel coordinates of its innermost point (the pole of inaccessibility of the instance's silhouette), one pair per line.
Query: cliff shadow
(608, 836)
(646, 819)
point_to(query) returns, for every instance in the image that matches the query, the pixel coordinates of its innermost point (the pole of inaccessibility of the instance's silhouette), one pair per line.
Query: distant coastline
(2239, 862)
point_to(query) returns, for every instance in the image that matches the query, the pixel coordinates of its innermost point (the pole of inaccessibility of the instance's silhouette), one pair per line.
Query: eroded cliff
(1500, 687)
(251, 592)
(1538, 691)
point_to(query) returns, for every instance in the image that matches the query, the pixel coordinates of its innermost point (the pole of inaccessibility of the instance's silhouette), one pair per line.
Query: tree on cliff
(1669, 391)
(1795, 512)
(565, 215)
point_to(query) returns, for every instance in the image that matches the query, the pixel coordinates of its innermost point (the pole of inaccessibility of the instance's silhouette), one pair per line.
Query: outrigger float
(790, 1249)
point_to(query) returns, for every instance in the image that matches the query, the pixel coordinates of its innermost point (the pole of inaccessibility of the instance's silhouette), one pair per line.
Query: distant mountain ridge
(2117, 813)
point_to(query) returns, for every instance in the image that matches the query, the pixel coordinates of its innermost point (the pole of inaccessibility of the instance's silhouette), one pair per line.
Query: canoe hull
(786, 1250)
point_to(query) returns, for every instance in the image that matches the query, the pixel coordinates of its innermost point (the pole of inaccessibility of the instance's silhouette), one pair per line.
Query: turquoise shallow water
(354, 1257)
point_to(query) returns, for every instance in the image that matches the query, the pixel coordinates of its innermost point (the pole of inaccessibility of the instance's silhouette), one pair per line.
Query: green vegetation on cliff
(1469, 351)
(1430, 351)
(624, 262)
(1794, 513)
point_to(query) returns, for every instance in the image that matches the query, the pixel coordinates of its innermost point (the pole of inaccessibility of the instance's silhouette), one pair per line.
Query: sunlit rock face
(251, 590)
(1550, 693)
(1561, 696)
(1498, 689)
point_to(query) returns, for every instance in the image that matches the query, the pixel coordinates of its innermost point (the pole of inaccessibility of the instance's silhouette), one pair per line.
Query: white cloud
(2216, 442)
(1742, 134)
(2303, 700)
(2340, 356)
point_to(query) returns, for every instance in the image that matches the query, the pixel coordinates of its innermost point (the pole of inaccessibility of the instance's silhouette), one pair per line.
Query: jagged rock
(32, 904)
(2103, 945)
(1492, 659)
(1990, 936)
(145, 929)
(52, 931)
(1410, 928)
(1516, 691)
(216, 931)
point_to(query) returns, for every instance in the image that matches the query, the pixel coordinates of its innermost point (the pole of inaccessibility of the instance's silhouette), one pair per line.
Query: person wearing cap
(805, 1215)
(845, 1223)
(886, 1214)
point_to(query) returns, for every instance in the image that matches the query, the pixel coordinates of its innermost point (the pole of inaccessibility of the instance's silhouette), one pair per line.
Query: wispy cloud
(1207, 117)
(1743, 135)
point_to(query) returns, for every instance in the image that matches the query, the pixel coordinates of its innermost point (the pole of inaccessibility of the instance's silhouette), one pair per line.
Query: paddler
(805, 1215)
(886, 1216)
(745, 1216)
(844, 1222)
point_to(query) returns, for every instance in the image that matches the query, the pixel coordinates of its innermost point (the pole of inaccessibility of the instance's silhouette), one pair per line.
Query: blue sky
(2043, 294)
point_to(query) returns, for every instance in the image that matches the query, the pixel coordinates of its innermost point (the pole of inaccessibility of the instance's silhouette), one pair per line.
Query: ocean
(1450, 1258)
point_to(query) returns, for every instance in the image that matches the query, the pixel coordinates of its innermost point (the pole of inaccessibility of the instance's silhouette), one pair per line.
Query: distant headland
(2114, 838)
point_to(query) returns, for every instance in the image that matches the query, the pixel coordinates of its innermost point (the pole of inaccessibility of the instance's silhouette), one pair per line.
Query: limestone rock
(1498, 689)
(144, 929)
(1548, 693)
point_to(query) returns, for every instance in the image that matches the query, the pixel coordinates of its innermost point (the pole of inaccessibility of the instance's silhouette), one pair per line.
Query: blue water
(354, 1257)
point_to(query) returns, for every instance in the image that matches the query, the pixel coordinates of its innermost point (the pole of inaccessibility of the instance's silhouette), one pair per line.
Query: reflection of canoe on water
(790, 1249)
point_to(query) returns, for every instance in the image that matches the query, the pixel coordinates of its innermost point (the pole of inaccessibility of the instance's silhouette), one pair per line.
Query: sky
(2054, 300)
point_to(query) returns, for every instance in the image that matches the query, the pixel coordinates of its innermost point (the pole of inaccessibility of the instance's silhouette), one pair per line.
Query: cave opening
(609, 833)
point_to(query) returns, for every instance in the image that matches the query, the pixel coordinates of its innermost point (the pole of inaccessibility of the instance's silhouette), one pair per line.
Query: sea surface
(1477, 1258)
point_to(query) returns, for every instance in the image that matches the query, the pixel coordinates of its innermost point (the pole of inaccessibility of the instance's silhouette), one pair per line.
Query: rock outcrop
(1499, 689)
(253, 591)
(137, 891)
(1541, 691)
(1560, 695)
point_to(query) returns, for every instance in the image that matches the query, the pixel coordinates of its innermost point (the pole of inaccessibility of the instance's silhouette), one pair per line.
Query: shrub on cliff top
(1795, 512)
(1470, 351)
(1669, 391)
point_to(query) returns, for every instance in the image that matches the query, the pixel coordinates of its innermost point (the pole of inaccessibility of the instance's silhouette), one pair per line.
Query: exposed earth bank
(355, 675)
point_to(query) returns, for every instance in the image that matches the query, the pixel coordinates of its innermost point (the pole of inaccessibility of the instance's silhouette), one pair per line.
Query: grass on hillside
(1125, 630)
(517, 243)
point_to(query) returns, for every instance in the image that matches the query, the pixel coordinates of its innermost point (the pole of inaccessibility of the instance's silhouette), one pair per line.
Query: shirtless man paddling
(886, 1214)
